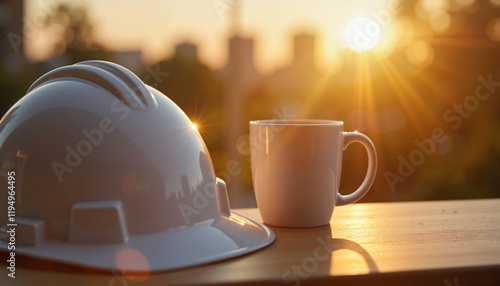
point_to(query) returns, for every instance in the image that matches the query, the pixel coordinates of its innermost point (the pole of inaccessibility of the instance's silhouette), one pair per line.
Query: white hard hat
(100, 170)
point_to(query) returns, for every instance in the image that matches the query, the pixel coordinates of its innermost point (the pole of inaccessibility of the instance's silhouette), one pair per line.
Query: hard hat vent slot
(97, 222)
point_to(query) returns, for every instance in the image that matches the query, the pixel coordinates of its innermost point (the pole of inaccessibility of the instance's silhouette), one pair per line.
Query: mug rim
(297, 122)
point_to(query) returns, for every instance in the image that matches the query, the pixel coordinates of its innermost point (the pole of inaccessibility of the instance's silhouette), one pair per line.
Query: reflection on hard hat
(238, 220)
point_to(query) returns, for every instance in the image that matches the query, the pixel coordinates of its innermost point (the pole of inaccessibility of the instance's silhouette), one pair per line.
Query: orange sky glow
(156, 26)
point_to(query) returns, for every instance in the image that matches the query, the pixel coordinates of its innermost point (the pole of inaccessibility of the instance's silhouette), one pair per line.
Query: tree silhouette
(74, 34)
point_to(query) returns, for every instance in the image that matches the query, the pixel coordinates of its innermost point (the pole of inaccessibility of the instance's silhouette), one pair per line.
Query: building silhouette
(303, 52)
(240, 76)
(187, 51)
(11, 30)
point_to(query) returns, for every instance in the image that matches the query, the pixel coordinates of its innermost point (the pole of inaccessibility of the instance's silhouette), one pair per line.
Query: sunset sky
(430, 58)
(156, 26)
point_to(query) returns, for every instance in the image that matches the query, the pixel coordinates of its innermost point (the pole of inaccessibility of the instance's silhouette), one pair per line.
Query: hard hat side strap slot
(222, 196)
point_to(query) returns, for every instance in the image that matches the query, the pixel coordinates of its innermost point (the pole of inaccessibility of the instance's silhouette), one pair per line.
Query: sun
(362, 34)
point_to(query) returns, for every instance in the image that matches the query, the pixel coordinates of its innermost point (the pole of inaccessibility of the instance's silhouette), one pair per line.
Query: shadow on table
(341, 243)
(310, 253)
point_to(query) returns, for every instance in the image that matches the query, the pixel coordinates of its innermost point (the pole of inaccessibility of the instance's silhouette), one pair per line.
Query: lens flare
(420, 53)
(493, 29)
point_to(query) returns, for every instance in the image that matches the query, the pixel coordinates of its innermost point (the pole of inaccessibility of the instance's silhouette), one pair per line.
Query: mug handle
(350, 137)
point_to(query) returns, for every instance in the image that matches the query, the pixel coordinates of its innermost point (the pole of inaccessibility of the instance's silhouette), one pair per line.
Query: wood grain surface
(448, 243)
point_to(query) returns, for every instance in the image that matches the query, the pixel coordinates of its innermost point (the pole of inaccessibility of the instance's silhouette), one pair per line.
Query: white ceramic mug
(296, 166)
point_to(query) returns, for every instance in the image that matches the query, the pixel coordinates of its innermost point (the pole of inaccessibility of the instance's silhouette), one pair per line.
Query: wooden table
(446, 243)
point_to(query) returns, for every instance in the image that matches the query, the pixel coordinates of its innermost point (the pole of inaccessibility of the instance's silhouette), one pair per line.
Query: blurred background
(427, 92)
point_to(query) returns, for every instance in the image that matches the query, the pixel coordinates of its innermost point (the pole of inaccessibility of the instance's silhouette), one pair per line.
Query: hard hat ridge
(118, 80)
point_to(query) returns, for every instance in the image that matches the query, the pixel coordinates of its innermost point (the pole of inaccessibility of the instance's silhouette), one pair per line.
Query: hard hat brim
(216, 239)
